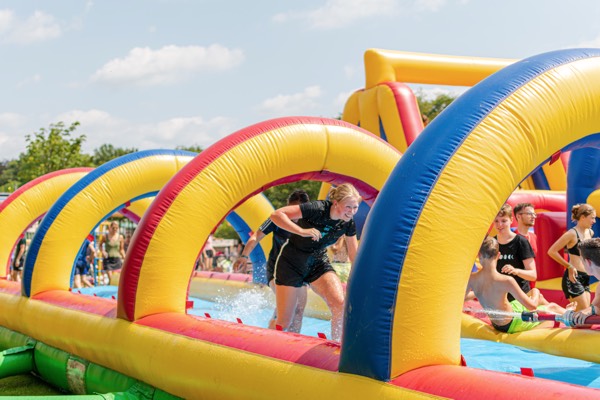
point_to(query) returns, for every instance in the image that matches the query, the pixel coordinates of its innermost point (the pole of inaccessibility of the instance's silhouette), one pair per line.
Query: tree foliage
(432, 107)
(108, 152)
(194, 148)
(50, 150)
(226, 231)
(8, 175)
(278, 194)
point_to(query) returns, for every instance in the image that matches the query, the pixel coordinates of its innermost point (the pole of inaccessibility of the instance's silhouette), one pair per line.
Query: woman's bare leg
(329, 287)
(287, 298)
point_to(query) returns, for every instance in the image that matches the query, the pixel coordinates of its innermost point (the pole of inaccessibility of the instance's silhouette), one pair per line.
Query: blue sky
(158, 74)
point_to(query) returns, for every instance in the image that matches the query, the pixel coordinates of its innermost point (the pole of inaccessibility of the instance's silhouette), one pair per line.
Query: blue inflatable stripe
(375, 277)
(583, 178)
(259, 272)
(539, 180)
(63, 200)
(382, 130)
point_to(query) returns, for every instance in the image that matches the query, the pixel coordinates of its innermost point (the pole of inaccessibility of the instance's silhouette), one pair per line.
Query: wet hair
(114, 223)
(298, 196)
(344, 191)
(590, 250)
(489, 248)
(581, 210)
(519, 207)
(505, 211)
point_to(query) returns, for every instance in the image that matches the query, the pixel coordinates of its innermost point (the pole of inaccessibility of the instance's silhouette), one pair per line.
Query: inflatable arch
(435, 209)
(28, 204)
(388, 108)
(106, 189)
(266, 154)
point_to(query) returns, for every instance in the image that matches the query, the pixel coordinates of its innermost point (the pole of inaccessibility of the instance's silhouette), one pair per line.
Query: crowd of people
(503, 284)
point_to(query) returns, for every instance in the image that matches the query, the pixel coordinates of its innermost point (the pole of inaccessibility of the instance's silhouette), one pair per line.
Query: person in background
(589, 251)
(82, 264)
(18, 261)
(492, 288)
(208, 253)
(575, 281)
(517, 258)
(114, 249)
(280, 236)
(303, 258)
(526, 216)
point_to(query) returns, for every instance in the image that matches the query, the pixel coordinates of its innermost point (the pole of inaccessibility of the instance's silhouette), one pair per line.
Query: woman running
(303, 258)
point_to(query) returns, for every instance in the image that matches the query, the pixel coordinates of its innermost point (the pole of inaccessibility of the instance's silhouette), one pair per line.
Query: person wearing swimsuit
(492, 289)
(575, 281)
(114, 249)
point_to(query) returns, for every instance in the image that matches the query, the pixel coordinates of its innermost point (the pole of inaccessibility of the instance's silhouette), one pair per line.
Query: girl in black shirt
(303, 258)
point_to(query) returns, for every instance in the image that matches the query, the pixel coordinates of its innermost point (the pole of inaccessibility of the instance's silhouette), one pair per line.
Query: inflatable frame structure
(402, 330)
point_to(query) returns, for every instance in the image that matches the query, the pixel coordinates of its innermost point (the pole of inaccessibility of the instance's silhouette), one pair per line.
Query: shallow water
(253, 308)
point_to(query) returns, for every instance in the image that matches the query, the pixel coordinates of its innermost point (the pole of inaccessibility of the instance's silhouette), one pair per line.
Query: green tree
(432, 107)
(278, 194)
(194, 148)
(8, 176)
(226, 231)
(108, 152)
(50, 150)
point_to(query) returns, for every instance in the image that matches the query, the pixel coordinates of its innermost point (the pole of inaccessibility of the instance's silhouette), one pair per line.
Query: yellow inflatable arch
(222, 176)
(435, 209)
(28, 204)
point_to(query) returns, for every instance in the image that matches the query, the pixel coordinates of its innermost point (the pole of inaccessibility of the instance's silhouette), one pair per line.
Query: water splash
(488, 311)
(254, 307)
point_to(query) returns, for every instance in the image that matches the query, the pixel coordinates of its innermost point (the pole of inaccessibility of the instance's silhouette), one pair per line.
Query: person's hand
(313, 233)
(240, 264)
(567, 318)
(104, 254)
(574, 319)
(579, 318)
(572, 274)
(17, 263)
(509, 269)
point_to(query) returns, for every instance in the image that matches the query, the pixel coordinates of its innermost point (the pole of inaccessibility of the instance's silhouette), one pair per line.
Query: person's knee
(336, 304)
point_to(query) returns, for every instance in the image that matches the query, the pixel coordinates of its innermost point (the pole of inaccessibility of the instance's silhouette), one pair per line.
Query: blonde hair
(581, 210)
(342, 192)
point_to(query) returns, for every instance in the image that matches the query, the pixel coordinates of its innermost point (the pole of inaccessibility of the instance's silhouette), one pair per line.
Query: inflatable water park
(526, 130)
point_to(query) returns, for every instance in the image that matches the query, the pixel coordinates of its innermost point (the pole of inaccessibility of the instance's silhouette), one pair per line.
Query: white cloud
(290, 104)
(589, 43)
(12, 120)
(101, 128)
(341, 99)
(341, 13)
(350, 71)
(170, 64)
(430, 5)
(38, 27)
(30, 80)
(12, 135)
